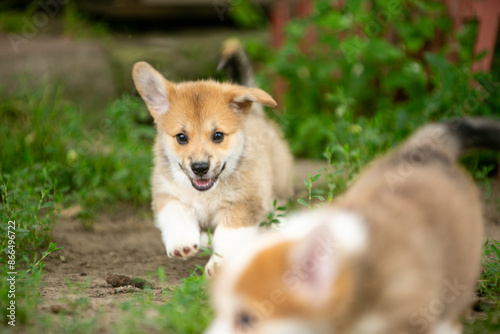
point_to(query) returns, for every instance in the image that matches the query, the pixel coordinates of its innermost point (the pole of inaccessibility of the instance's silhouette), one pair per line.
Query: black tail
(454, 137)
(236, 64)
(478, 132)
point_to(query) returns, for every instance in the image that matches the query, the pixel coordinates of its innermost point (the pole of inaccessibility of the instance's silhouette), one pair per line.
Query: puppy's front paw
(180, 232)
(212, 265)
(182, 252)
(183, 244)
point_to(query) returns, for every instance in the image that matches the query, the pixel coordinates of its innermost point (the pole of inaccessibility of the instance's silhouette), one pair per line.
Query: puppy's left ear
(318, 255)
(153, 88)
(242, 99)
(324, 255)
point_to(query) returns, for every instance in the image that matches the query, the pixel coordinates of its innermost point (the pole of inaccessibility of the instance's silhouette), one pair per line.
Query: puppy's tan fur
(249, 168)
(412, 267)
(197, 108)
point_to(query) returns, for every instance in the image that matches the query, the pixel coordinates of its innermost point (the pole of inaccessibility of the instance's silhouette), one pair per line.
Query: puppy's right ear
(153, 87)
(324, 254)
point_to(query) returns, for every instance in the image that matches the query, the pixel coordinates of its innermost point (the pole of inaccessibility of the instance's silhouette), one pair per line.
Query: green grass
(35, 193)
(346, 108)
(353, 86)
(45, 167)
(51, 158)
(14, 21)
(488, 305)
(26, 22)
(78, 25)
(49, 139)
(32, 209)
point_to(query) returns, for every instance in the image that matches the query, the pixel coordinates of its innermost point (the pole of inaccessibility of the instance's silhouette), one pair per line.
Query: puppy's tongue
(202, 182)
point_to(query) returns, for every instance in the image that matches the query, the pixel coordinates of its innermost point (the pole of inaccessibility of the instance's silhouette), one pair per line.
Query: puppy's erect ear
(318, 257)
(244, 97)
(153, 87)
(323, 252)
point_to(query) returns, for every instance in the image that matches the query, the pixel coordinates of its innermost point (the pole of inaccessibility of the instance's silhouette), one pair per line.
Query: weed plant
(363, 86)
(368, 77)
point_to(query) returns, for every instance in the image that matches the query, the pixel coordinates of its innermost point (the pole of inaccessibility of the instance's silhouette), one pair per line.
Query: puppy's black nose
(200, 168)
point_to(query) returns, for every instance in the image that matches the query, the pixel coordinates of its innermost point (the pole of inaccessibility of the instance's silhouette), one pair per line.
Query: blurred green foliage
(30, 18)
(52, 158)
(243, 12)
(14, 21)
(28, 206)
(368, 76)
(92, 165)
(77, 24)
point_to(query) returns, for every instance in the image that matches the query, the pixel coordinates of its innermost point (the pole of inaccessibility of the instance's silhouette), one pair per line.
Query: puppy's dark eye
(244, 320)
(217, 137)
(182, 138)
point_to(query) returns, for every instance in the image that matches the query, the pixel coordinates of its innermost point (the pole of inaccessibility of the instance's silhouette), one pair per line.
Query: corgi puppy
(219, 163)
(399, 253)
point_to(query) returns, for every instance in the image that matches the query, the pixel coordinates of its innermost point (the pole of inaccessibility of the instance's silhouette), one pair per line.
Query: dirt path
(125, 241)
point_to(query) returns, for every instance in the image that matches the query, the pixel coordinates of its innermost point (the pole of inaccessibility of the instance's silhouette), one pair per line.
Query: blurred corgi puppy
(219, 163)
(399, 253)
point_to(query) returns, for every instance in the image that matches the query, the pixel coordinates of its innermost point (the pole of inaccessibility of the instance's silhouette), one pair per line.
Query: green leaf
(47, 205)
(338, 172)
(302, 202)
(161, 275)
(53, 247)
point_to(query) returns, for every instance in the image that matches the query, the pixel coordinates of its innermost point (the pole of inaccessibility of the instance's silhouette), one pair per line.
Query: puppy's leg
(236, 225)
(226, 239)
(448, 327)
(205, 240)
(180, 230)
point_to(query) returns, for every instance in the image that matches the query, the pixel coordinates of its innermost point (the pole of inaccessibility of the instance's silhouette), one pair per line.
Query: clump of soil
(125, 241)
(116, 280)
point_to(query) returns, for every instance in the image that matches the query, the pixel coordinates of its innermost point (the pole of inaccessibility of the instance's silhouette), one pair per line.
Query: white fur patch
(219, 326)
(234, 154)
(348, 228)
(447, 327)
(224, 324)
(349, 233)
(179, 229)
(371, 323)
(204, 240)
(318, 255)
(290, 326)
(227, 240)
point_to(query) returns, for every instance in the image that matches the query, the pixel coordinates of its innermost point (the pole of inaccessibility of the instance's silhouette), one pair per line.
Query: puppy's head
(299, 282)
(200, 124)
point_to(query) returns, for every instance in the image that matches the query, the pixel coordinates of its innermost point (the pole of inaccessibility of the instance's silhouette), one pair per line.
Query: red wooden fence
(487, 13)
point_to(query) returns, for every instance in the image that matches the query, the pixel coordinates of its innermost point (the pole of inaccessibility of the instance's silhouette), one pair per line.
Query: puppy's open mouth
(202, 184)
